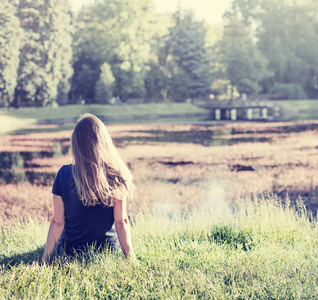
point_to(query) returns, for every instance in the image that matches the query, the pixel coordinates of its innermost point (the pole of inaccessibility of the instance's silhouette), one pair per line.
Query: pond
(208, 135)
(19, 166)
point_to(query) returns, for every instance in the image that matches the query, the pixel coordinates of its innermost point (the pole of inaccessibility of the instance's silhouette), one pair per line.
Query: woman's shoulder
(67, 167)
(65, 170)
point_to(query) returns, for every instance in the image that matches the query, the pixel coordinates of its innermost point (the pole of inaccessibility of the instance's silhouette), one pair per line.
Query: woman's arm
(123, 229)
(56, 227)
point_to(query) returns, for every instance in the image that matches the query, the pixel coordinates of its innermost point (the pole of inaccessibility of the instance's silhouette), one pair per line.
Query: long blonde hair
(100, 175)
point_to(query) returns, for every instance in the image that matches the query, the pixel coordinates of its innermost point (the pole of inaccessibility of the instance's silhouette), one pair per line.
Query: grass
(24, 119)
(15, 119)
(261, 250)
(305, 109)
(303, 104)
(74, 111)
(57, 128)
(304, 116)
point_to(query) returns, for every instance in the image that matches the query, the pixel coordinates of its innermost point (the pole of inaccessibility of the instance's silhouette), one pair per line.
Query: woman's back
(84, 225)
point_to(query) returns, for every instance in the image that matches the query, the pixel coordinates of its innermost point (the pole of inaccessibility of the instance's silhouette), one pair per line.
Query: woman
(89, 197)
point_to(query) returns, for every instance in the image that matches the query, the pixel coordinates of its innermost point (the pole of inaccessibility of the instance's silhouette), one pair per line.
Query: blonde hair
(100, 175)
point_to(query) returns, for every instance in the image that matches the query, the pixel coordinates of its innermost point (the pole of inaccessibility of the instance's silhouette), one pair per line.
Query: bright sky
(209, 10)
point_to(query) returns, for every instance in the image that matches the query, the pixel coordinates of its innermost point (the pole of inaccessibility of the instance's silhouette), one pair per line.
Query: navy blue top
(84, 225)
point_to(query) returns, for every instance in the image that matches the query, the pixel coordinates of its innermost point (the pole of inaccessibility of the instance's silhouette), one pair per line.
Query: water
(212, 137)
(18, 166)
(203, 137)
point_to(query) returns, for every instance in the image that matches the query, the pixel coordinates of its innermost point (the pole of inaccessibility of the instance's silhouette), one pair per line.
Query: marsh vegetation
(176, 167)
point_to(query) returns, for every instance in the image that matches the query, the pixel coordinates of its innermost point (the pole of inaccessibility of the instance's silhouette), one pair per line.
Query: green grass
(74, 111)
(264, 250)
(303, 104)
(24, 119)
(307, 109)
(304, 116)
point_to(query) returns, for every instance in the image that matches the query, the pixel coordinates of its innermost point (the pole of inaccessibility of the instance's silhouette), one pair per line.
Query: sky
(210, 11)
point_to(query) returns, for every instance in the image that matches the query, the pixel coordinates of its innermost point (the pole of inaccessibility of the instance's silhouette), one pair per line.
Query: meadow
(261, 249)
(222, 211)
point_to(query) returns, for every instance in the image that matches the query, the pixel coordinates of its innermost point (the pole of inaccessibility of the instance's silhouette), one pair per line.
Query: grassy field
(304, 109)
(74, 111)
(26, 118)
(193, 239)
(304, 104)
(13, 119)
(261, 250)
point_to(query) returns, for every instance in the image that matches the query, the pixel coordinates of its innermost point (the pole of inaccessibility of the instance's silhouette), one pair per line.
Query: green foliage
(177, 259)
(45, 54)
(84, 80)
(104, 85)
(244, 64)
(10, 37)
(129, 82)
(290, 43)
(288, 91)
(188, 61)
(178, 84)
(48, 57)
(287, 36)
(61, 35)
(118, 33)
(156, 79)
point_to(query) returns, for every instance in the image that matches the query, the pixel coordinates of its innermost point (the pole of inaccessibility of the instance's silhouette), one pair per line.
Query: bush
(288, 91)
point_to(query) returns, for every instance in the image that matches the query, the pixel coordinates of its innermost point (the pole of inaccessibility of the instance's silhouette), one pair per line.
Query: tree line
(124, 49)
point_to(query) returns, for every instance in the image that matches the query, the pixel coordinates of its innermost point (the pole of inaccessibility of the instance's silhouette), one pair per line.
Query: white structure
(233, 114)
(217, 114)
(250, 114)
(264, 113)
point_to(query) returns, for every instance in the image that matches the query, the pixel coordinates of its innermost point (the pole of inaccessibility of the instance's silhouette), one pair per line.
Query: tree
(288, 37)
(117, 32)
(104, 86)
(31, 72)
(61, 30)
(286, 32)
(10, 36)
(86, 57)
(45, 55)
(188, 61)
(156, 80)
(244, 65)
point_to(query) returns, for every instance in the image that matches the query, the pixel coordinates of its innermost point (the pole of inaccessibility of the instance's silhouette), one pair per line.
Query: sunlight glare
(210, 11)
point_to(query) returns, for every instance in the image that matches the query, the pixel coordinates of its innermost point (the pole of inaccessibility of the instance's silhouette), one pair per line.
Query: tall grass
(261, 249)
